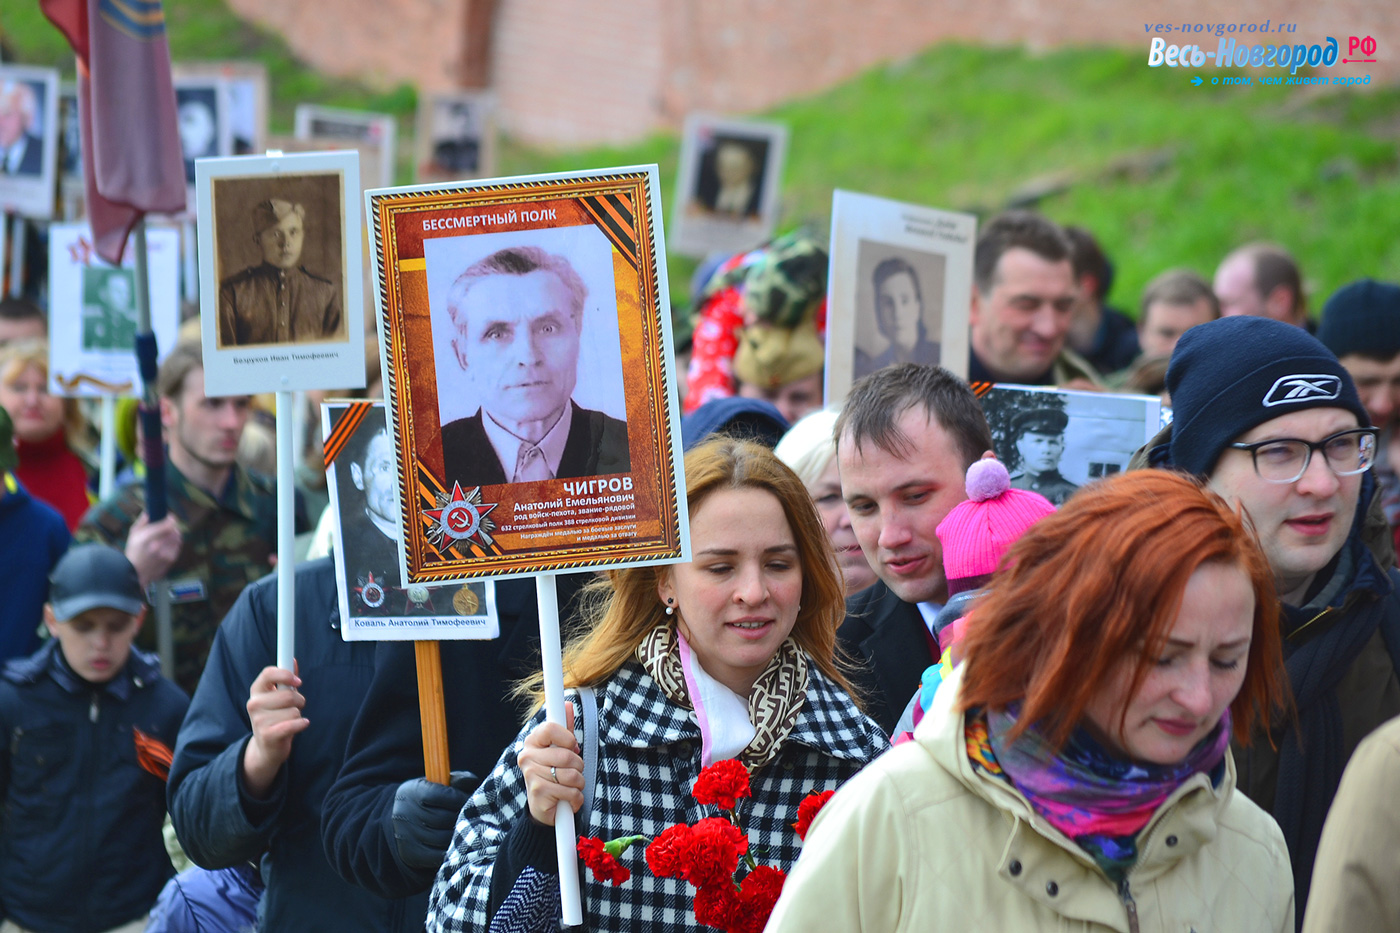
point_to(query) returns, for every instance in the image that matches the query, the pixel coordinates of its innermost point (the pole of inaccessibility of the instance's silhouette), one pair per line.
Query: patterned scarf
(1097, 799)
(774, 702)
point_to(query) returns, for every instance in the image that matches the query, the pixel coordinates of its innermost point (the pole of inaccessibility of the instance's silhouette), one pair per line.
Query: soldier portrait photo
(109, 308)
(515, 329)
(899, 306)
(279, 260)
(1039, 438)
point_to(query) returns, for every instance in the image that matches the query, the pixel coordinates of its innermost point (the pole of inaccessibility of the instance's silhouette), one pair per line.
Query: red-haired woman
(1075, 771)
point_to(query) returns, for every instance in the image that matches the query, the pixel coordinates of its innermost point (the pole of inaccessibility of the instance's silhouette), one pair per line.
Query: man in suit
(518, 314)
(904, 440)
(21, 152)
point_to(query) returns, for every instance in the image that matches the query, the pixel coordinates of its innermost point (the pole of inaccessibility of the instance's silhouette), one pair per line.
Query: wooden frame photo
(29, 139)
(727, 184)
(898, 290)
(280, 273)
(529, 374)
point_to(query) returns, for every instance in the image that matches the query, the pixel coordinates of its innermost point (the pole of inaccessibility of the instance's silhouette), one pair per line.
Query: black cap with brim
(94, 576)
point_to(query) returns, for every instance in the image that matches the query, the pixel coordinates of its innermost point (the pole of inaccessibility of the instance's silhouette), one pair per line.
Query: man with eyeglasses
(1269, 418)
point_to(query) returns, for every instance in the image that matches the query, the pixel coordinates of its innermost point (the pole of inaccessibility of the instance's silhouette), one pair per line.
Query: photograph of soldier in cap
(109, 308)
(518, 322)
(1040, 443)
(284, 235)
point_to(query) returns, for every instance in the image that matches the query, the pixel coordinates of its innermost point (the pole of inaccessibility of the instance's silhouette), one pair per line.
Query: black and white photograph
(92, 310)
(455, 137)
(29, 140)
(280, 268)
(375, 605)
(356, 126)
(1053, 441)
(727, 187)
(245, 93)
(529, 373)
(202, 114)
(899, 288)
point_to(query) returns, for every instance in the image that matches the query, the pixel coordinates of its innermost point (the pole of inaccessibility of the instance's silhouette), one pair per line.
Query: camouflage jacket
(227, 543)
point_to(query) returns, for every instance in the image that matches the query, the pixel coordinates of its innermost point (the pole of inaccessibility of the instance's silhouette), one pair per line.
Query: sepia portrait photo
(29, 132)
(899, 288)
(727, 190)
(455, 136)
(529, 372)
(354, 126)
(280, 267)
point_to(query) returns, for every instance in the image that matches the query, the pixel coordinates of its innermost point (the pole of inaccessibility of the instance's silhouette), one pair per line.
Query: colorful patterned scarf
(1097, 799)
(777, 697)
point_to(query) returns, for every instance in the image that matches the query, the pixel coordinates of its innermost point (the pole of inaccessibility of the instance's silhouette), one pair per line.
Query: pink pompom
(987, 479)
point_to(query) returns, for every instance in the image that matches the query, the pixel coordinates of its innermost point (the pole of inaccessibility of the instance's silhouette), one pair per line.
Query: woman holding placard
(48, 430)
(724, 665)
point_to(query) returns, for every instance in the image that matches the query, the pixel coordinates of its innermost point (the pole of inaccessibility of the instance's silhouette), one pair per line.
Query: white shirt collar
(507, 445)
(930, 611)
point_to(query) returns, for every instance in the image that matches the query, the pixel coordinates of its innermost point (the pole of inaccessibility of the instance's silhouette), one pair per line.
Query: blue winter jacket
(218, 823)
(80, 842)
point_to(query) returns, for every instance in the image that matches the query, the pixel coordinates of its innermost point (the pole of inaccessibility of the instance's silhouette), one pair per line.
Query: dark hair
(1088, 259)
(884, 271)
(185, 357)
(1275, 266)
(877, 401)
(1016, 230)
(21, 309)
(1177, 287)
(1100, 581)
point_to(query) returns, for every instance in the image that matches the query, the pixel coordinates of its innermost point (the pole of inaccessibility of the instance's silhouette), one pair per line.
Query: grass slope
(1162, 172)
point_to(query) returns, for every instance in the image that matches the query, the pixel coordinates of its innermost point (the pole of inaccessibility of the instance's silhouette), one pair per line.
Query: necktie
(530, 466)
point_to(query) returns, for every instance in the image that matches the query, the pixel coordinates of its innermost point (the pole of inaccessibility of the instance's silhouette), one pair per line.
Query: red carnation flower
(605, 868)
(808, 809)
(760, 891)
(669, 854)
(716, 905)
(722, 783)
(716, 845)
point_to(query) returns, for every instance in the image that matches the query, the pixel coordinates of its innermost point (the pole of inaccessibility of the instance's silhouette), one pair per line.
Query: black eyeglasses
(1286, 459)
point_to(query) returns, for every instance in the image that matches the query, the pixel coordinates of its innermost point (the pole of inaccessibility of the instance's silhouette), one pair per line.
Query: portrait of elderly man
(21, 151)
(1040, 442)
(278, 300)
(730, 180)
(517, 316)
(369, 519)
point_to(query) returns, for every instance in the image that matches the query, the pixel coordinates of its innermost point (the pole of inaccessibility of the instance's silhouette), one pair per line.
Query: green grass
(1165, 174)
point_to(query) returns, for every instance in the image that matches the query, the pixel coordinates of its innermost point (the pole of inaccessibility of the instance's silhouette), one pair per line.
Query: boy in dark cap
(88, 726)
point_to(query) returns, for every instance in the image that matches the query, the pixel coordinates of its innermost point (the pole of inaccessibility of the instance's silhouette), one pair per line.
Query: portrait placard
(529, 373)
(245, 98)
(92, 310)
(29, 132)
(375, 604)
(70, 154)
(899, 288)
(354, 126)
(280, 274)
(1055, 440)
(456, 136)
(202, 111)
(727, 186)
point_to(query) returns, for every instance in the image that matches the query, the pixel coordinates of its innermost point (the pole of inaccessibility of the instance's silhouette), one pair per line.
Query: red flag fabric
(132, 163)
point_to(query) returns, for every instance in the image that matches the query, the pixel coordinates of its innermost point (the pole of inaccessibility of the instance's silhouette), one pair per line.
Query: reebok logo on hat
(1308, 387)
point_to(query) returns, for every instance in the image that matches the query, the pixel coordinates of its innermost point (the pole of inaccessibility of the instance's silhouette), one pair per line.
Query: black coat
(386, 743)
(890, 638)
(596, 446)
(219, 825)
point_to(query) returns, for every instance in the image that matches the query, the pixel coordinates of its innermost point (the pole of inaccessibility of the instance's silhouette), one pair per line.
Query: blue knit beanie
(1363, 317)
(1230, 375)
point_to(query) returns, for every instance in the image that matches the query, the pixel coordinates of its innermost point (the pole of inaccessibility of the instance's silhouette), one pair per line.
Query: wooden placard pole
(432, 711)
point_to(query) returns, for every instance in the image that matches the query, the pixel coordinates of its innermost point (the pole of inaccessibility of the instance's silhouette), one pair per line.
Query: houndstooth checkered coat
(648, 759)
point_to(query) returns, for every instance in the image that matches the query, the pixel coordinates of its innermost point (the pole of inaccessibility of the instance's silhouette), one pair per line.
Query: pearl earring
(670, 610)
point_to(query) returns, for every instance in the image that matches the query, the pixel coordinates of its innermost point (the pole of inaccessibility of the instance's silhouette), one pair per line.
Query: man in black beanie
(1272, 421)
(1361, 324)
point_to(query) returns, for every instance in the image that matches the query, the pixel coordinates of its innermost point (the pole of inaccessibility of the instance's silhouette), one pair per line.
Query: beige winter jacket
(920, 841)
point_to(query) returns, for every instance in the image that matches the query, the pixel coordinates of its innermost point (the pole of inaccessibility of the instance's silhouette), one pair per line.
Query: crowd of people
(1165, 699)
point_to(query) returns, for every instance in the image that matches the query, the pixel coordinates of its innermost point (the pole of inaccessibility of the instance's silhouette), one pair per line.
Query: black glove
(424, 816)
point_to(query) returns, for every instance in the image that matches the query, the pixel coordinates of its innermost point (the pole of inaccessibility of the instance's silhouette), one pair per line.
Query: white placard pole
(17, 245)
(552, 659)
(107, 475)
(286, 533)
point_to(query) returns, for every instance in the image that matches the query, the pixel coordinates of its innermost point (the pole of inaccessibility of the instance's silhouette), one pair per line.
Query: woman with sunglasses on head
(1075, 771)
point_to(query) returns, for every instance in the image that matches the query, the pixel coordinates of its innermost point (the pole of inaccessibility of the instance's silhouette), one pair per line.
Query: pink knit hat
(979, 531)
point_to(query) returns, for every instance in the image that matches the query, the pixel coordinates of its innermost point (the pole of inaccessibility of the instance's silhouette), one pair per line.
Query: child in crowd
(975, 536)
(88, 727)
